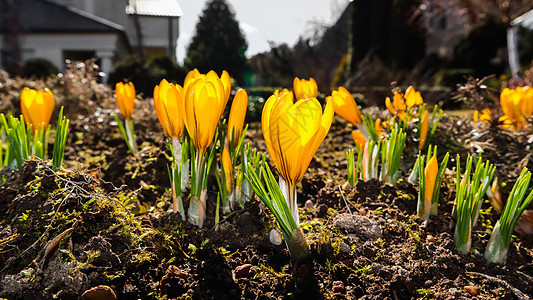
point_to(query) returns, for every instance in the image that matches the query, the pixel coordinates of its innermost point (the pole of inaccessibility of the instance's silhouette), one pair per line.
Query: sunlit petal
(237, 116)
(431, 171)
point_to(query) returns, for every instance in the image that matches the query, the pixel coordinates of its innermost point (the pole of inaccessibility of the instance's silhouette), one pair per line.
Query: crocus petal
(431, 171)
(236, 116)
(226, 82)
(505, 100)
(125, 94)
(389, 106)
(399, 105)
(297, 87)
(345, 106)
(423, 130)
(304, 89)
(168, 102)
(228, 169)
(412, 97)
(277, 120)
(312, 141)
(190, 78)
(358, 138)
(37, 107)
(130, 97)
(293, 132)
(203, 106)
(485, 115)
(379, 128)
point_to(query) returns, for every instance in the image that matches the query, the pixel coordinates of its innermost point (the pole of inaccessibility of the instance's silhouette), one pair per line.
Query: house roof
(525, 20)
(156, 8)
(43, 16)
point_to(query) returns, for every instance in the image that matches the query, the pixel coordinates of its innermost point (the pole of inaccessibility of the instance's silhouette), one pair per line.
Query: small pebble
(242, 271)
(309, 204)
(173, 271)
(472, 289)
(302, 273)
(344, 247)
(275, 237)
(346, 186)
(101, 292)
(338, 286)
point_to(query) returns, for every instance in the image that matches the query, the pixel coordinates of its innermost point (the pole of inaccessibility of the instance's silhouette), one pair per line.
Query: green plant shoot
(469, 195)
(500, 239)
(276, 203)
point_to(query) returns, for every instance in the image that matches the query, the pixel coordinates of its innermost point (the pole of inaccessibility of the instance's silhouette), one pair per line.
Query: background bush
(145, 79)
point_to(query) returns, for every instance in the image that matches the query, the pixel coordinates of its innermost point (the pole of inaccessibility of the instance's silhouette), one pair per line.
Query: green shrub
(451, 77)
(39, 68)
(156, 69)
(479, 50)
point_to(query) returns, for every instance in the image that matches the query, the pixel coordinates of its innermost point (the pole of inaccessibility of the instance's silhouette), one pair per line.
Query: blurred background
(363, 45)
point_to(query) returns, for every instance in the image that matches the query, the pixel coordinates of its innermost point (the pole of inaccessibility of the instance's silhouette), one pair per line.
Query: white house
(525, 20)
(58, 30)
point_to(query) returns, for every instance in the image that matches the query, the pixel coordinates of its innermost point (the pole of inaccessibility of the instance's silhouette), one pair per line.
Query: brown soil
(366, 242)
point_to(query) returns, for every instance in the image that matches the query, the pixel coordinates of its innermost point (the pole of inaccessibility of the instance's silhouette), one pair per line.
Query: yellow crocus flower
(484, 116)
(210, 76)
(345, 106)
(304, 89)
(412, 97)
(510, 103)
(37, 107)
(517, 105)
(402, 104)
(169, 106)
(378, 125)
(204, 103)
(293, 132)
(125, 93)
(236, 116)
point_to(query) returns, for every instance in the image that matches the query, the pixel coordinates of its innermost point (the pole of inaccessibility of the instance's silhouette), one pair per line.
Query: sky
(279, 21)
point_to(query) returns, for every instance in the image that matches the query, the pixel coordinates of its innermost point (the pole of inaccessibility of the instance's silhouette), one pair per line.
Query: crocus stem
(297, 245)
(176, 181)
(463, 239)
(293, 204)
(496, 250)
(177, 202)
(199, 173)
(197, 208)
(199, 194)
(289, 192)
(128, 123)
(176, 149)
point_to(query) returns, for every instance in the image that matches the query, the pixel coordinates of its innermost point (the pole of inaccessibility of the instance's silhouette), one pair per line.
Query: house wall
(155, 29)
(155, 33)
(445, 25)
(112, 10)
(108, 47)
